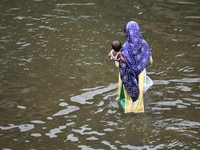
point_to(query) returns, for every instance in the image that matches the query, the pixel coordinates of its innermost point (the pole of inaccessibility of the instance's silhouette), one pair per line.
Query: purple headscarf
(136, 53)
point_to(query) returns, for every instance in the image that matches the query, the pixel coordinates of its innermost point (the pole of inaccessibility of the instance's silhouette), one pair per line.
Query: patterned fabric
(129, 80)
(136, 53)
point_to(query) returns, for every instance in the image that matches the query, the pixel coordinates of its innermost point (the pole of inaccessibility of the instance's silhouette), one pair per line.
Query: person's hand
(150, 61)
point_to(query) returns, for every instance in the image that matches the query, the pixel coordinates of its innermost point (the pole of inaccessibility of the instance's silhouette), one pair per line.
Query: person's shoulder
(111, 52)
(143, 40)
(144, 43)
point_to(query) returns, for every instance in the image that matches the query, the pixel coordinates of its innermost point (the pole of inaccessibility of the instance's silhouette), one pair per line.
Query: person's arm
(109, 55)
(121, 57)
(150, 61)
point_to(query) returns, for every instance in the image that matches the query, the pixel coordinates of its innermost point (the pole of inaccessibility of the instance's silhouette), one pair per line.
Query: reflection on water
(58, 90)
(82, 99)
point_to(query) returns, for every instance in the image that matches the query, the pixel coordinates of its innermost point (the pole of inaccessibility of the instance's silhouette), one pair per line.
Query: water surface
(58, 90)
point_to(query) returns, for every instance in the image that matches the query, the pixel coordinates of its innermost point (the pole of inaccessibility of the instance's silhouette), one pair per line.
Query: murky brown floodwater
(58, 90)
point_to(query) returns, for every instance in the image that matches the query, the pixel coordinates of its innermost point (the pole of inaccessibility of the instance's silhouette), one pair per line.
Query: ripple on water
(160, 82)
(66, 111)
(6, 104)
(85, 130)
(38, 122)
(26, 127)
(187, 80)
(21, 107)
(193, 17)
(84, 97)
(36, 135)
(92, 138)
(84, 147)
(10, 126)
(52, 133)
(72, 138)
(108, 144)
(182, 2)
(76, 4)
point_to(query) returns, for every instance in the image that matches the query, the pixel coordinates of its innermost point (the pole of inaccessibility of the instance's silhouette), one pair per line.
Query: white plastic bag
(147, 82)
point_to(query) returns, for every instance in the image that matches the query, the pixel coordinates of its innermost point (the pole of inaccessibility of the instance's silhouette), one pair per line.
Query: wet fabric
(129, 80)
(126, 101)
(136, 53)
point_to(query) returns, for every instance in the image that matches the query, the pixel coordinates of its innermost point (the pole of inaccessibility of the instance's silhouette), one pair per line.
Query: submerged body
(137, 54)
(124, 98)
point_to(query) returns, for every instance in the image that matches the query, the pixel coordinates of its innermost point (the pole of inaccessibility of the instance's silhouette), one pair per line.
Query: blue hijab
(136, 53)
